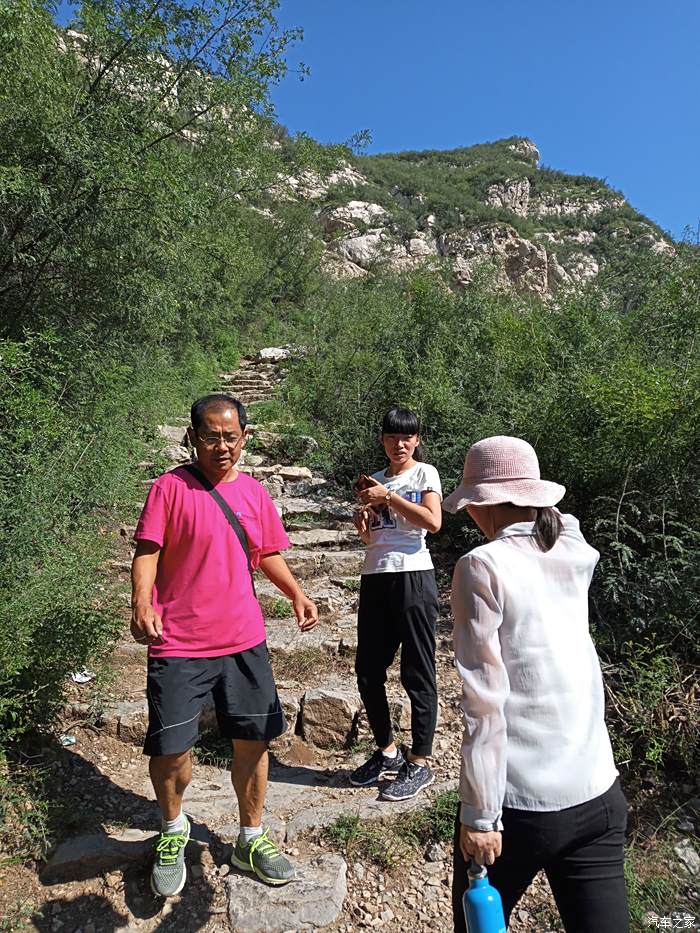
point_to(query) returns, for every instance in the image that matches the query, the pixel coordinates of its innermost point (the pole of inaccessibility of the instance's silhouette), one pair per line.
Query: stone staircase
(308, 787)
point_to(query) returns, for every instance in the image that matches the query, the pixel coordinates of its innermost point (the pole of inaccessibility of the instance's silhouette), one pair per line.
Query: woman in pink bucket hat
(539, 789)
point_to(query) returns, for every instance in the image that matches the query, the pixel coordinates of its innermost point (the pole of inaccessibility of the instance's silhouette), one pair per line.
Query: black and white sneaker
(377, 767)
(411, 779)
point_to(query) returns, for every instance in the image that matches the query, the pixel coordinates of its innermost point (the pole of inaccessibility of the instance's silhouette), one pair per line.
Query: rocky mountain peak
(539, 230)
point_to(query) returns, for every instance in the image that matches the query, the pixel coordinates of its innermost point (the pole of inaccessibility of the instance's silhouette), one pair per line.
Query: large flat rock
(285, 637)
(364, 803)
(94, 854)
(173, 432)
(322, 537)
(312, 901)
(312, 563)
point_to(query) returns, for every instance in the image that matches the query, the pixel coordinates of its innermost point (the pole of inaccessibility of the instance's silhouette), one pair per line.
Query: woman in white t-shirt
(398, 604)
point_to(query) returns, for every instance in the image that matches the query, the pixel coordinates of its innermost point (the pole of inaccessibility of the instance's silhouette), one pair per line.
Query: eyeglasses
(212, 440)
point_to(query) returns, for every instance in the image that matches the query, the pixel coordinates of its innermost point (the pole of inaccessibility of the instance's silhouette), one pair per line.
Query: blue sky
(610, 89)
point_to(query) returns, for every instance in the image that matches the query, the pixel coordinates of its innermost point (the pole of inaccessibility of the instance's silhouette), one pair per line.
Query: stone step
(305, 487)
(331, 600)
(261, 387)
(292, 473)
(313, 901)
(250, 366)
(336, 629)
(323, 537)
(247, 385)
(308, 798)
(320, 815)
(324, 524)
(285, 638)
(326, 506)
(95, 854)
(253, 374)
(250, 398)
(293, 505)
(274, 440)
(175, 454)
(307, 563)
(176, 434)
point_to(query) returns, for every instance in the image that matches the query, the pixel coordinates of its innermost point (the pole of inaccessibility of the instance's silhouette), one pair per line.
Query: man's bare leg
(249, 778)
(253, 850)
(170, 775)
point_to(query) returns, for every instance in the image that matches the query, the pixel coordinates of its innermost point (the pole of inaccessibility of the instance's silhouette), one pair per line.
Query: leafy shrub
(132, 267)
(608, 394)
(24, 814)
(435, 823)
(372, 841)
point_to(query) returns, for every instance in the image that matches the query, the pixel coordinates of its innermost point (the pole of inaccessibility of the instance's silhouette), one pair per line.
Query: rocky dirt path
(98, 880)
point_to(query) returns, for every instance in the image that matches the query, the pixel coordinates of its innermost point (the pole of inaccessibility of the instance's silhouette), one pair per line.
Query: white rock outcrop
(340, 268)
(517, 261)
(512, 195)
(350, 216)
(273, 354)
(364, 250)
(311, 185)
(583, 237)
(422, 246)
(581, 267)
(525, 149)
(549, 205)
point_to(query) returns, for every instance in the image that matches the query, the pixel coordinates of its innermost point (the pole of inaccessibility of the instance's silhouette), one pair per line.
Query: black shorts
(242, 687)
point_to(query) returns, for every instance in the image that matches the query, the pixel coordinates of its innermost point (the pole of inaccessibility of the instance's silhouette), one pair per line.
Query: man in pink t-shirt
(202, 533)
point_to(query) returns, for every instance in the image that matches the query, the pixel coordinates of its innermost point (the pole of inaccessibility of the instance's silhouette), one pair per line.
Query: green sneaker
(264, 858)
(169, 872)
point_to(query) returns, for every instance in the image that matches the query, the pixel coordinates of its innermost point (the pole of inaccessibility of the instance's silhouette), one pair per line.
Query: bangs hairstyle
(218, 401)
(403, 421)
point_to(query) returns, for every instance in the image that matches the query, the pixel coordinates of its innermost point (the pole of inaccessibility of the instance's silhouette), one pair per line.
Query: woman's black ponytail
(547, 528)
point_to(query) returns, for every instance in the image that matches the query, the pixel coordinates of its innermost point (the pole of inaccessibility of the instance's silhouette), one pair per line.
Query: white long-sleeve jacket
(532, 691)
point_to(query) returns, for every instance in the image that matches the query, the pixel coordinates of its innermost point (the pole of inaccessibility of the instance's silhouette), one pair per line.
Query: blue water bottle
(483, 909)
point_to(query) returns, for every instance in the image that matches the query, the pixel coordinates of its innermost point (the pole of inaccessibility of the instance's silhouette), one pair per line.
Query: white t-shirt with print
(395, 544)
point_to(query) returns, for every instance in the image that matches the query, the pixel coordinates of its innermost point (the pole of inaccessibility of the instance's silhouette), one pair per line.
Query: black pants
(581, 852)
(398, 609)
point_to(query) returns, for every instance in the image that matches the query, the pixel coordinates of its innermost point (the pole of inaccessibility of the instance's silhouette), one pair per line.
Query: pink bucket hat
(502, 469)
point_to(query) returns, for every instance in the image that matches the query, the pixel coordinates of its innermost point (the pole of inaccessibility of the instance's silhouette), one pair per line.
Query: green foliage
(213, 749)
(17, 918)
(647, 890)
(608, 394)
(74, 423)
(132, 267)
(453, 186)
(361, 839)
(653, 708)
(389, 842)
(24, 814)
(278, 608)
(435, 823)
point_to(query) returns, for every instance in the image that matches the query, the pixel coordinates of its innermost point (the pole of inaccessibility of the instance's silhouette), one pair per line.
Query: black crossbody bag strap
(229, 514)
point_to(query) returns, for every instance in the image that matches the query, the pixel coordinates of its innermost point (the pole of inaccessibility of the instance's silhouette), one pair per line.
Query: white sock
(248, 833)
(391, 754)
(178, 825)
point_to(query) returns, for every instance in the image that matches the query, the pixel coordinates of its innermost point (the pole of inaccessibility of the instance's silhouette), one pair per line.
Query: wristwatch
(387, 498)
